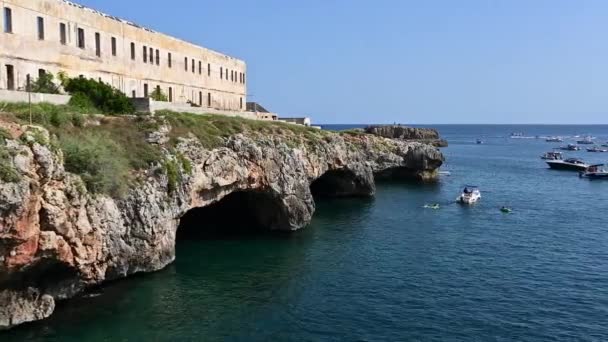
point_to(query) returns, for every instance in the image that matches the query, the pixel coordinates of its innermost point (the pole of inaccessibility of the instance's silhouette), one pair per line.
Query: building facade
(39, 36)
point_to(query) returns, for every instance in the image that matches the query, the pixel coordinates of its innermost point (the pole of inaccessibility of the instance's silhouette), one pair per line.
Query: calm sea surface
(385, 269)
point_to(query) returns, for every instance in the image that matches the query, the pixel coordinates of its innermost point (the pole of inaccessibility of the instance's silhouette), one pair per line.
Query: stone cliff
(57, 238)
(426, 135)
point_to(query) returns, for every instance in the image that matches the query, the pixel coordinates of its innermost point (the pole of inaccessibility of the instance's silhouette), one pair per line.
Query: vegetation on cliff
(109, 151)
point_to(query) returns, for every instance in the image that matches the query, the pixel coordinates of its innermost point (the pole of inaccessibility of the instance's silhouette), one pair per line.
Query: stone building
(39, 36)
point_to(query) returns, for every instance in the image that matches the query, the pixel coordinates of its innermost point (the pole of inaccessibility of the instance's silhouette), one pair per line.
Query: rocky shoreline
(57, 238)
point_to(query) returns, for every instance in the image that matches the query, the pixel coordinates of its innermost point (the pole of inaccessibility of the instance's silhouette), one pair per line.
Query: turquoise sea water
(385, 269)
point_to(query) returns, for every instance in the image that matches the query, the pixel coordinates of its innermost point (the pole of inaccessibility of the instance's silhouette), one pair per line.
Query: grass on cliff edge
(106, 151)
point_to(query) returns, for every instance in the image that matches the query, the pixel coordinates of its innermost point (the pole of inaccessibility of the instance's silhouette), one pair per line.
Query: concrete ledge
(21, 96)
(147, 105)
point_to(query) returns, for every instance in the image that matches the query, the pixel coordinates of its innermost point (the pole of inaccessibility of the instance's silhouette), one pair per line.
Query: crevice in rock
(239, 213)
(341, 183)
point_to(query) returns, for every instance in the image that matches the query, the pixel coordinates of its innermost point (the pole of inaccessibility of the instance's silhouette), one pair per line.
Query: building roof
(256, 107)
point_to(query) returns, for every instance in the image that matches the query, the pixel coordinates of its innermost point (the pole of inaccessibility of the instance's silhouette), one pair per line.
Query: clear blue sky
(423, 61)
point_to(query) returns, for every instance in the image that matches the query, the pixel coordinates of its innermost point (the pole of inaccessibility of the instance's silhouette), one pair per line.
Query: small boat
(554, 139)
(479, 141)
(445, 173)
(517, 135)
(595, 172)
(552, 156)
(470, 195)
(432, 206)
(571, 164)
(586, 141)
(596, 149)
(506, 210)
(570, 147)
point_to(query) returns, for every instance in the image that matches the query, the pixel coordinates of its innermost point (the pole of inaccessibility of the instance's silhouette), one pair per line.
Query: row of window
(170, 96)
(149, 54)
(10, 85)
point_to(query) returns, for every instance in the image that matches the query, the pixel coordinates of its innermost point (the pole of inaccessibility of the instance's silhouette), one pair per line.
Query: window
(208, 99)
(113, 46)
(8, 20)
(169, 59)
(145, 89)
(200, 67)
(133, 94)
(40, 28)
(132, 51)
(241, 103)
(200, 98)
(81, 43)
(209, 69)
(10, 77)
(145, 56)
(221, 73)
(41, 73)
(170, 94)
(62, 34)
(151, 56)
(186, 63)
(193, 66)
(157, 57)
(244, 78)
(97, 44)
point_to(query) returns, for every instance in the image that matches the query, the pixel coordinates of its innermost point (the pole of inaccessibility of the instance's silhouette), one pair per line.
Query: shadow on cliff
(341, 183)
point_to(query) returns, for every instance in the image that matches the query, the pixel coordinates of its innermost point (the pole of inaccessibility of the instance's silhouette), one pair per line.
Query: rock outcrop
(57, 239)
(425, 135)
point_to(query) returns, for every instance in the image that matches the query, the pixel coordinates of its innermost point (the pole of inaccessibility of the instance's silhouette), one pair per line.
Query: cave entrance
(237, 214)
(340, 183)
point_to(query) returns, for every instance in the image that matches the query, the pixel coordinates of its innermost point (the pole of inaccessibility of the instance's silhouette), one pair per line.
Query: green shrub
(83, 103)
(103, 96)
(158, 95)
(7, 171)
(44, 84)
(98, 160)
(173, 175)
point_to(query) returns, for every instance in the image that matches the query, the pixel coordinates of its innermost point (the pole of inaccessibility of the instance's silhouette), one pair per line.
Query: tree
(44, 84)
(158, 95)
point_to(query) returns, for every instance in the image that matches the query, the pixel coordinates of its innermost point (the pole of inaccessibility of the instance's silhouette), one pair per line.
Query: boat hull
(567, 166)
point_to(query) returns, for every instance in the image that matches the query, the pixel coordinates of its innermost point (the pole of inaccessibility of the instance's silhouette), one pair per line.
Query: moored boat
(595, 172)
(586, 141)
(596, 149)
(570, 147)
(571, 164)
(552, 156)
(554, 139)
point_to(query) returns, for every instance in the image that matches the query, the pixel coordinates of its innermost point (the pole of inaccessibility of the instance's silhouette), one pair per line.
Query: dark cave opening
(239, 213)
(340, 183)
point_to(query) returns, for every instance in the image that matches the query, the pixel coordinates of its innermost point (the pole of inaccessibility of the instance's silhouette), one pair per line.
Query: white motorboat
(552, 156)
(554, 139)
(470, 195)
(595, 172)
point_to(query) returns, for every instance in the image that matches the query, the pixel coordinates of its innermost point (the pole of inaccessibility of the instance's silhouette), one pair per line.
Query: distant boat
(571, 164)
(517, 135)
(479, 141)
(596, 149)
(595, 172)
(554, 139)
(586, 141)
(570, 147)
(552, 156)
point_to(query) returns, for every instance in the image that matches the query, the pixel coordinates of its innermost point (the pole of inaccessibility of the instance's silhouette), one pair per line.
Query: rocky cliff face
(57, 239)
(426, 135)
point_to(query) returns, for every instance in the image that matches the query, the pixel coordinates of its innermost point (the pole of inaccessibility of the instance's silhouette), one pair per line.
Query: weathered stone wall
(20, 96)
(28, 54)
